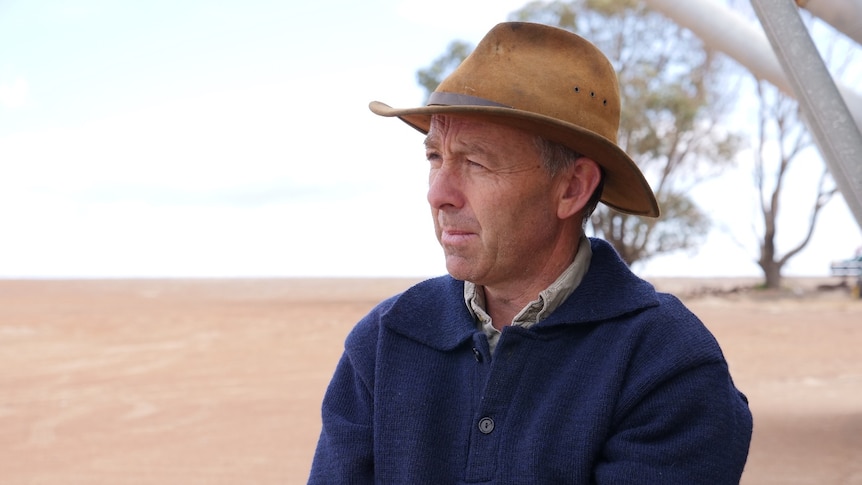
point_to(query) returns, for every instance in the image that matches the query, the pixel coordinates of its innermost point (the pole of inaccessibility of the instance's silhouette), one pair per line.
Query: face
(495, 206)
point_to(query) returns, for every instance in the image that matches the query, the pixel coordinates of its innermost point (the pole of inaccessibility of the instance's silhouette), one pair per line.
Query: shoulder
(654, 324)
(672, 325)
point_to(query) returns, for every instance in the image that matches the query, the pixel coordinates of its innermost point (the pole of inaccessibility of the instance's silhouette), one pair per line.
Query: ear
(578, 183)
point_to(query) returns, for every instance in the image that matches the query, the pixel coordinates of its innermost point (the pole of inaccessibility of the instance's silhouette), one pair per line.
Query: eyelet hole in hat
(605, 102)
(592, 94)
(577, 89)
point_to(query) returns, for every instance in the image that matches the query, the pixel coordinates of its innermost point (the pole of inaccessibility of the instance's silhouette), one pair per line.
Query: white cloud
(278, 170)
(16, 94)
(469, 20)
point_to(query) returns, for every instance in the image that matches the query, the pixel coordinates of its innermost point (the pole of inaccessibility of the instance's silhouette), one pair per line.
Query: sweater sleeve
(692, 428)
(345, 448)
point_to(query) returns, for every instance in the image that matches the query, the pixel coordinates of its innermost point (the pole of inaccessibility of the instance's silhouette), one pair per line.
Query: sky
(233, 139)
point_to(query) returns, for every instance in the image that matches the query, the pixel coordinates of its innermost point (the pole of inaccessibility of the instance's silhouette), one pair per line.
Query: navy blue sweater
(620, 385)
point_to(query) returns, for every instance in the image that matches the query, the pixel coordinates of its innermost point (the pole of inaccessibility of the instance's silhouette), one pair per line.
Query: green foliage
(430, 77)
(561, 14)
(610, 7)
(683, 226)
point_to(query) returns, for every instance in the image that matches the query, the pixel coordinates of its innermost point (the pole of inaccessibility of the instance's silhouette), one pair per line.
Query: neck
(502, 310)
(504, 301)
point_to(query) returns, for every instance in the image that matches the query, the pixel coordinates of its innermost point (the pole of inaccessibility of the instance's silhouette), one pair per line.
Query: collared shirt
(539, 309)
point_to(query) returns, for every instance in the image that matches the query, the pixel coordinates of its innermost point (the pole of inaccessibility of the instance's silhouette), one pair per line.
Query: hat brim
(625, 188)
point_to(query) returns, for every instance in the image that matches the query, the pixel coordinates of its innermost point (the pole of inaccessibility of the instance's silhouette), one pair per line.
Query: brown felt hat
(550, 82)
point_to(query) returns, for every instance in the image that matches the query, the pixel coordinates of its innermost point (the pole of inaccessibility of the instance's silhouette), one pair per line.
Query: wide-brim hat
(546, 81)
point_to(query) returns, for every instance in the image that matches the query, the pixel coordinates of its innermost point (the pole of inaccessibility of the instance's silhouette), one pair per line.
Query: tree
(782, 139)
(671, 107)
(432, 75)
(780, 127)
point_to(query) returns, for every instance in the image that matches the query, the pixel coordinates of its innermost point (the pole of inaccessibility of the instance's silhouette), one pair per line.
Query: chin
(457, 271)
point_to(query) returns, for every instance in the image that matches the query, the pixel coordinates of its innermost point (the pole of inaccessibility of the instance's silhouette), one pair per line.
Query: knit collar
(433, 312)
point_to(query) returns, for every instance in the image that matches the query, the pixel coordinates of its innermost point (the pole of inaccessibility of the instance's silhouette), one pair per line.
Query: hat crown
(544, 70)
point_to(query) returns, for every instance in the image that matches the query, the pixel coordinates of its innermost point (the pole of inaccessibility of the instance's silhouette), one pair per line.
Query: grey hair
(556, 157)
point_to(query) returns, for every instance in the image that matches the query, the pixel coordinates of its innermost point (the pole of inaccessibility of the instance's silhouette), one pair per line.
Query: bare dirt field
(220, 381)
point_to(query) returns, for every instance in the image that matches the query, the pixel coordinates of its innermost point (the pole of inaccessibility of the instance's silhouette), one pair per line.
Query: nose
(445, 187)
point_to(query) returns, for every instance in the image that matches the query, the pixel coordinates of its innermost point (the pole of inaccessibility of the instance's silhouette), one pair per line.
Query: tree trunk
(771, 274)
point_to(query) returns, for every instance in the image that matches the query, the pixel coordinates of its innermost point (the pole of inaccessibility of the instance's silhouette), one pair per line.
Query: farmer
(540, 358)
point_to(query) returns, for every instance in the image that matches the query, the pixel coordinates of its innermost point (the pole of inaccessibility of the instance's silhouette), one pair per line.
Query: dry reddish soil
(220, 381)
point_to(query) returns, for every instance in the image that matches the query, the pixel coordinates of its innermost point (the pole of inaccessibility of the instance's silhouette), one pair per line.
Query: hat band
(454, 99)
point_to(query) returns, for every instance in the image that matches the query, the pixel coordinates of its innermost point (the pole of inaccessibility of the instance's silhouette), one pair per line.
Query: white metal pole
(724, 29)
(827, 116)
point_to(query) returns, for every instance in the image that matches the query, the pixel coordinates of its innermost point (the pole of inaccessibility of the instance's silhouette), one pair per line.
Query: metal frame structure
(826, 114)
(784, 54)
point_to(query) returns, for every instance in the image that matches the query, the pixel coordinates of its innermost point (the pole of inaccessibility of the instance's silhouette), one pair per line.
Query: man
(541, 358)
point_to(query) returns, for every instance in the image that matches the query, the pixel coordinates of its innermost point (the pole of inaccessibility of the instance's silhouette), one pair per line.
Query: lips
(455, 230)
(455, 237)
(456, 233)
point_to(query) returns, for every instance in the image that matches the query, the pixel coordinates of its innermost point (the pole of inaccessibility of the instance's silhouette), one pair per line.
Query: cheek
(526, 217)
(502, 221)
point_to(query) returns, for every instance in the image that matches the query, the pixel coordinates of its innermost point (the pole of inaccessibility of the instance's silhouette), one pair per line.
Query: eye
(434, 158)
(475, 164)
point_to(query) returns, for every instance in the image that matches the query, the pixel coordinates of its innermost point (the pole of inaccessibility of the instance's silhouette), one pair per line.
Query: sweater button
(486, 425)
(477, 354)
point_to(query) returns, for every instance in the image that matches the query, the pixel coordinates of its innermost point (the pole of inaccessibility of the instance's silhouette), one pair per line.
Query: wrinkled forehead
(479, 130)
(476, 125)
(489, 141)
